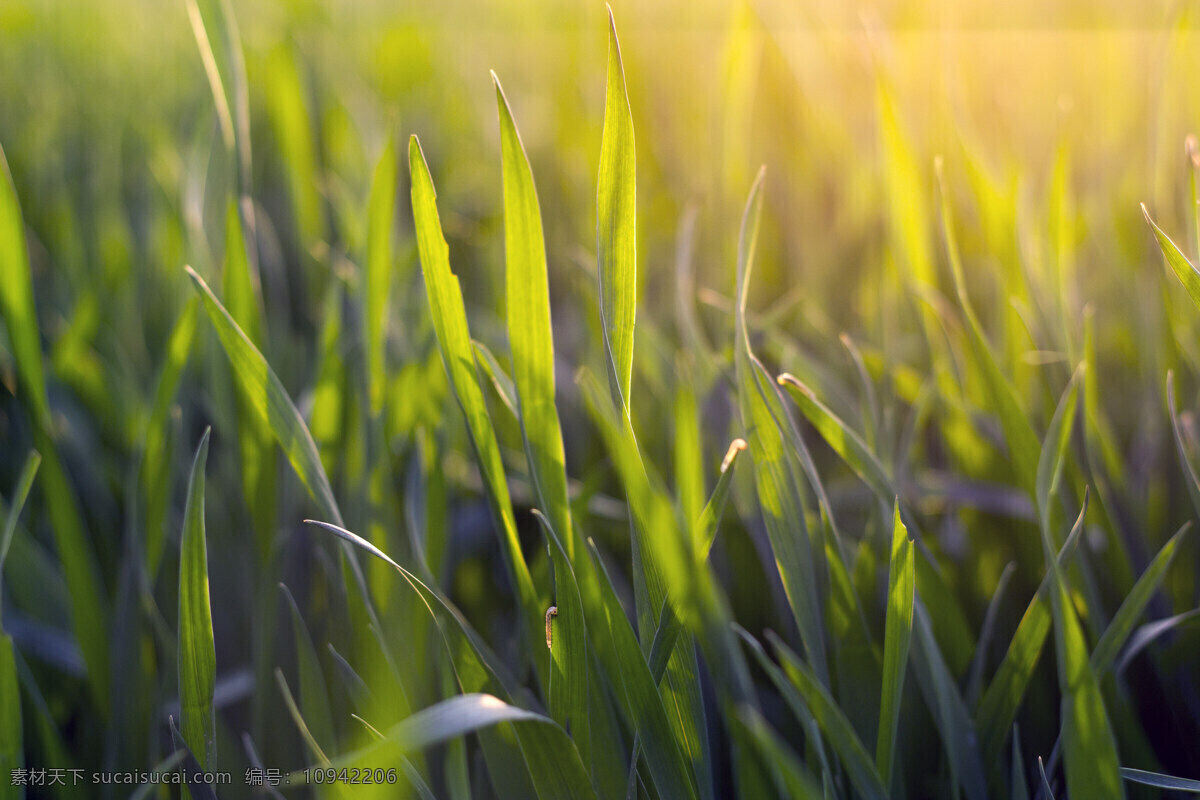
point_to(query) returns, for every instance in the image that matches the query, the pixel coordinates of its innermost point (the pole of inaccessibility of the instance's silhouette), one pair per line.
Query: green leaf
(381, 210)
(616, 228)
(829, 717)
(269, 401)
(154, 477)
(1053, 452)
(454, 342)
(792, 777)
(1177, 261)
(555, 766)
(898, 629)
(1004, 694)
(530, 338)
(16, 301)
(314, 697)
(1161, 781)
(1134, 604)
(501, 382)
(291, 123)
(1022, 442)
(778, 485)
(197, 653)
(567, 638)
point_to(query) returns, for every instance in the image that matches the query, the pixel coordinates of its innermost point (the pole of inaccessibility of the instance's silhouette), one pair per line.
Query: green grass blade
(291, 123)
(833, 723)
(616, 229)
(567, 640)
(793, 778)
(454, 343)
(16, 300)
(527, 299)
(1134, 604)
(1184, 270)
(1022, 442)
(1191, 479)
(1018, 781)
(501, 382)
(298, 718)
(197, 653)
(778, 485)
(314, 697)
(381, 211)
(1004, 694)
(714, 509)
(1054, 451)
(17, 503)
(154, 478)
(897, 630)
(644, 706)
(1160, 781)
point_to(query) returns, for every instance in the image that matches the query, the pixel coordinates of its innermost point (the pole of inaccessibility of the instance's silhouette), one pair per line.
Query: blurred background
(1054, 122)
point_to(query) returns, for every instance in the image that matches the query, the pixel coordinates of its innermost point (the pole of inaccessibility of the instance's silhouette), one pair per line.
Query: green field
(444, 400)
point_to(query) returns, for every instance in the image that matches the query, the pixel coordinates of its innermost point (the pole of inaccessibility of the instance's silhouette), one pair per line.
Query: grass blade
(454, 343)
(778, 485)
(12, 750)
(314, 698)
(527, 299)
(1134, 604)
(17, 503)
(197, 653)
(616, 228)
(794, 780)
(1160, 781)
(897, 630)
(1184, 270)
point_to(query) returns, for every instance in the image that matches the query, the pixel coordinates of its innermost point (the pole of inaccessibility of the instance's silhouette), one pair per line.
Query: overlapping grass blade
(1004, 694)
(1121, 627)
(506, 390)
(197, 652)
(897, 630)
(381, 210)
(778, 485)
(17, 503)
(616, 226)
(1019, 436)
(793, 778)
(454, 343)
(567, 640)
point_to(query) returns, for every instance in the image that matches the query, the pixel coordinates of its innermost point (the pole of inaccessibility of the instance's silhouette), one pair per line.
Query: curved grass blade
(298, 718)
(897, 630)
(1160, 781)
(1004, 694)
(454, 343)
(545, 745)
(1147, 633)
(1053, 452)
(1134, 604)
(775, 478)
(381, 210)
(1045, 780)
(192, 771)
(197, 653)
(314, 697)
(154, 475)
(530, 338)
(501, 382)
(1184, 270)
(616, 226)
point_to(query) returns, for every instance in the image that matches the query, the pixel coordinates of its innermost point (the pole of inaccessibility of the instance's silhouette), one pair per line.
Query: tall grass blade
(197, 652)
(778, 485)
(17, 503)
(314, 698)
(616, 227)
(527, 300)
(454, 343)
(1160, 781)
(1184, 270)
